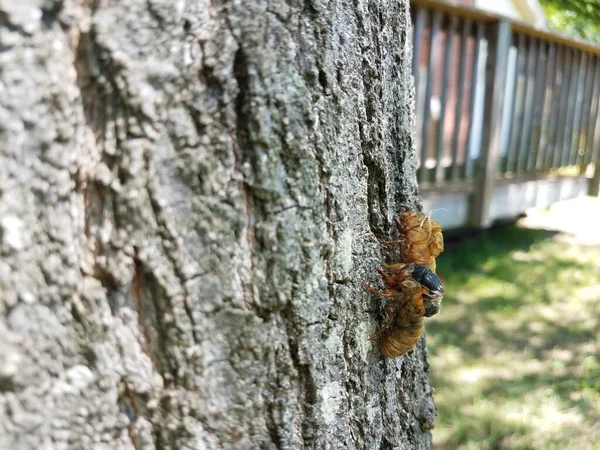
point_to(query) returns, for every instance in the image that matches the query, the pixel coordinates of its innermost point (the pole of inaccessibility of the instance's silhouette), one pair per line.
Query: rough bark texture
(190, 194)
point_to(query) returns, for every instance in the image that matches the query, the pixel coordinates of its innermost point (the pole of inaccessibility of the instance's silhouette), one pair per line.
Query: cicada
(415, 292)
(414, 289)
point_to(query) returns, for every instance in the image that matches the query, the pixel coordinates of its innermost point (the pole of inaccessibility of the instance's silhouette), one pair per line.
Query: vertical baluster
(512, 160)
(595, 181)
(595, 150)
(589, 140)
(498, 49)
(548, 97)
(587, 110)
(583, 112)
(421, 15)
(525, 140)
(562, 109)
(539, 97)
(555, 108)
(460, 93)
(431, 69)
(576, 99)
(572, 97)
(473, 99)
(510, 107)
(439, 167)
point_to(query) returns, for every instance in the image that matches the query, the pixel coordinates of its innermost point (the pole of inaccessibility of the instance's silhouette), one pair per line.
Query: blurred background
(515, 351)
(507, 102)
(507, 109)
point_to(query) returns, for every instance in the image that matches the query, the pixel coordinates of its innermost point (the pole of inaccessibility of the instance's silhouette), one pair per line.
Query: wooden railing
(499, 101)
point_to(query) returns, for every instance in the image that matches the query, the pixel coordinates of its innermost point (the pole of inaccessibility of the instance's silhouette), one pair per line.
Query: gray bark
(190, 197)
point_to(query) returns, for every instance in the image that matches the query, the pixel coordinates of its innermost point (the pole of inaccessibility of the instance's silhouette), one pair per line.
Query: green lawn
(515, 349)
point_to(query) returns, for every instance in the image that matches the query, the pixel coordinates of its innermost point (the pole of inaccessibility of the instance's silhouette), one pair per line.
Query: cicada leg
(386, 294)
(397, 267)
(389, 308)
(400, 241)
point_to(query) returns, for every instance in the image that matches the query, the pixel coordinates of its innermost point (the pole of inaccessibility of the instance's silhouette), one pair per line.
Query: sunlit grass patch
(515, 350)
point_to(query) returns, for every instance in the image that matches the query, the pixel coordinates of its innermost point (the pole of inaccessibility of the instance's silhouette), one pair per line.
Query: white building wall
(525, 10)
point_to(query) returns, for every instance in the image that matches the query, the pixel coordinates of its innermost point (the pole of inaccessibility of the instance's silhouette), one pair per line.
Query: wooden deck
(507, 114)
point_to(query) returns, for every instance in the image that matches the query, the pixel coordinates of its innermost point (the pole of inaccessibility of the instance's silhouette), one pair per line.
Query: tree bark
(191, 196)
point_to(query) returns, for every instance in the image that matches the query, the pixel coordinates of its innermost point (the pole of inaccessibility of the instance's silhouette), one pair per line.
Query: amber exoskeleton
(421, 235)
(415, 293)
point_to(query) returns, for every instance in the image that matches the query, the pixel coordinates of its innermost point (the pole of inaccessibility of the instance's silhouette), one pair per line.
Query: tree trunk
(191, 195)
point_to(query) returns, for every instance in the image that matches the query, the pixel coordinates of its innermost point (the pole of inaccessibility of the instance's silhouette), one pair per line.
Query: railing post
(594, 188)
(487, 164)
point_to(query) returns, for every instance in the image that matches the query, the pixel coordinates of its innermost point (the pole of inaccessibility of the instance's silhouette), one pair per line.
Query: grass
(515, 350)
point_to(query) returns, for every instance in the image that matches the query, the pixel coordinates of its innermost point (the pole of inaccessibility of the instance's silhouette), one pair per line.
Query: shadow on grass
(469, 253)
(477, 343)
(488, 432)
(562, 385)
(515, 331)
(491, 429)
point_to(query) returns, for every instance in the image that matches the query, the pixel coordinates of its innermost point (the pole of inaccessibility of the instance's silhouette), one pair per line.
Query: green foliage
(514, 351)
(576, 17)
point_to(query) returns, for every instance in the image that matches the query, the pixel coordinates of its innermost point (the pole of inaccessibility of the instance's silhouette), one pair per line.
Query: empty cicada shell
(422, 236)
